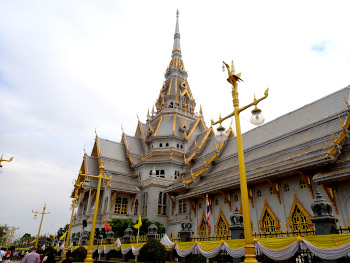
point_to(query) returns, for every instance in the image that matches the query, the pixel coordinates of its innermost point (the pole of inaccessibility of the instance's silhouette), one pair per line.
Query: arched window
(236, 198)
(286, 187)
(181, 146)
(221, 226)
(299, 220)
(167, 144)
(269, 224)
(160, 145)
(258, 193)
(302, 184)
(177, 145)
(203, 228)
(299, 217)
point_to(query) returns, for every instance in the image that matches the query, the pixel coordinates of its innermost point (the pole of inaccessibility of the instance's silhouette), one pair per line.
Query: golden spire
(200, 110)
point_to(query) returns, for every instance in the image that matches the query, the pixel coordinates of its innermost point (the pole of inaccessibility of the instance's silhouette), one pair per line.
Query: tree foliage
(119, 225)
(26, 237)
(3, 230)
(153, 251)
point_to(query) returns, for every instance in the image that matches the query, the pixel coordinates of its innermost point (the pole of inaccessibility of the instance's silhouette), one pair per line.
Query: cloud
(323, 47)
(68, 67)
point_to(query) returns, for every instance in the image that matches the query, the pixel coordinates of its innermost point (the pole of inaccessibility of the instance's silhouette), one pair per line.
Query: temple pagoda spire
(175, 94)
(176, 46)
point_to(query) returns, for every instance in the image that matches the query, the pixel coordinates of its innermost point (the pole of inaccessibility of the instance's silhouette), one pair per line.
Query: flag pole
(206, 198)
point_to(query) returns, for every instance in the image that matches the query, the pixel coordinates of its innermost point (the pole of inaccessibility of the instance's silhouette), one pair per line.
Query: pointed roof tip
(177, 13)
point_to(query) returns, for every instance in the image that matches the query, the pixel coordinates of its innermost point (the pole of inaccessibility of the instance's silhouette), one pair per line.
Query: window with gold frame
(269, 223)
(221, 229)
(118, 205)
(286, 187)
(299, 220)
(258, 193)
(124, 206)
(302, 184)
(121, 205)
(203, 229)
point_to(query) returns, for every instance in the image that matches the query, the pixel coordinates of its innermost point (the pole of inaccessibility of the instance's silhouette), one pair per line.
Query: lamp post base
(88, 258)
(250, 256)
(64, 253)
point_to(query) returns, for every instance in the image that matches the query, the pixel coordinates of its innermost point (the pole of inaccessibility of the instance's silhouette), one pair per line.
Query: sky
(70, 67)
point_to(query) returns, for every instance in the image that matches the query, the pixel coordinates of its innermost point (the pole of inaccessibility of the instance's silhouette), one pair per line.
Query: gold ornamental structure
(256, 119)
(41, 222)
(100, 177)
(4, 160)
(77, 187)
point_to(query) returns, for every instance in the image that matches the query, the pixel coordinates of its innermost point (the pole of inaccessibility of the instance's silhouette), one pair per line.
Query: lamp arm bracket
(224, 118)
(255, 102)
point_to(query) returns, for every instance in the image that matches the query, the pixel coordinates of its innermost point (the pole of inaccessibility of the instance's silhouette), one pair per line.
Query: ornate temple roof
(295, 141)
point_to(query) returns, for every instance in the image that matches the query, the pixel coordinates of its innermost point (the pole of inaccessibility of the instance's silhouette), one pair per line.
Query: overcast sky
(67, 67)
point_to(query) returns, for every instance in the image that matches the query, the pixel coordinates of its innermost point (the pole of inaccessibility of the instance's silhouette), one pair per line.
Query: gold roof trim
(155, 132)
(198, 147)
(339, 141)
(140, 127)
(96, 150)
(205, 165)
(187, 136)
(161, 154)
(127, 149)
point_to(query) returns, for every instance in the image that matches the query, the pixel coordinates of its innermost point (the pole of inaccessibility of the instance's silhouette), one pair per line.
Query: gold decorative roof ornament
(339, 141)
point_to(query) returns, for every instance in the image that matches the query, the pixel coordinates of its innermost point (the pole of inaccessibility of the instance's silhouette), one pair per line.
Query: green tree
(3, 230)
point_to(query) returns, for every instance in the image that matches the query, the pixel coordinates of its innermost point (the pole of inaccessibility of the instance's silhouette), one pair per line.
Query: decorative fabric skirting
(279, 248)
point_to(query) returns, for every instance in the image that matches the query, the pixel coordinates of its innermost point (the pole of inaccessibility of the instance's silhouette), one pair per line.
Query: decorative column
(152, 232)
(236, 227)
(127, 240)
(185, 235)
(324, 221)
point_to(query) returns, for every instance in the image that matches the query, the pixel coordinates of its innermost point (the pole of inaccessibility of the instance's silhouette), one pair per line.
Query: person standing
(2, 254)
(32, 257)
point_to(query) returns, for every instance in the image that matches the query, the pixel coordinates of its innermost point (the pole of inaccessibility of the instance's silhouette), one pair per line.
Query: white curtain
(328, 253)
(167, 242)
(235, 253)
(280, 254)
(186, 252)
(209, 254)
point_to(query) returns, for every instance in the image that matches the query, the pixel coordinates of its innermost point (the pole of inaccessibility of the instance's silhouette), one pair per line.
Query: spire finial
(176, 46)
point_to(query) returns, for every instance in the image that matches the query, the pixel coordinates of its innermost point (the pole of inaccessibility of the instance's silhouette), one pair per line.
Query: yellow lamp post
(3, 160)
(77, 187)
(107, 182)
(41, 222)
(256, 119)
